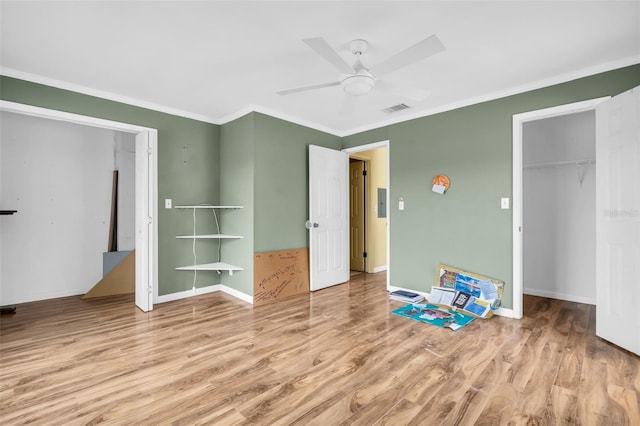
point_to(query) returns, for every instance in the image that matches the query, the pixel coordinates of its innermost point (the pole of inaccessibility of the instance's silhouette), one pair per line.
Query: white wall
(559, 208)
(58, 176)
(125, 163)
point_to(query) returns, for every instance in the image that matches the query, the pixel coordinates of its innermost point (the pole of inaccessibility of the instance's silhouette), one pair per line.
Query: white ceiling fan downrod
(362, 81)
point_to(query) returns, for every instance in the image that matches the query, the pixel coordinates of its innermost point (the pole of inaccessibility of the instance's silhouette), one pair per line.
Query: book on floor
(405, 296)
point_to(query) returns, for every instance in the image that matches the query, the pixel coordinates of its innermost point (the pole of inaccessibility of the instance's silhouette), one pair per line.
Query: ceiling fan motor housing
(360, 83)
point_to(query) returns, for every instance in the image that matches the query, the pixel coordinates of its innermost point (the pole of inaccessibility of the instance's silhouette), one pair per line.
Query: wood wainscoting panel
(280, 274)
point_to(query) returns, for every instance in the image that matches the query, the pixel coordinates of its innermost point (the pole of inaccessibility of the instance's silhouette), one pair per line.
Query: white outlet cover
(504, 203)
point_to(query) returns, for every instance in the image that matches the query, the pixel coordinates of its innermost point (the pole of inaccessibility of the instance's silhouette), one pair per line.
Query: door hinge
(148, 151)
(364, 173)
(150, 290)
(149, 220)
(364, 254)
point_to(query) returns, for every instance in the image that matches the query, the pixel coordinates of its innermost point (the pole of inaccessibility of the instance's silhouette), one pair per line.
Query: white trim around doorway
(369, 147)
(151, 249)
(518, 122)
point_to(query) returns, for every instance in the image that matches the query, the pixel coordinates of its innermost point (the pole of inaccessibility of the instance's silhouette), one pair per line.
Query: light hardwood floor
(337, 356)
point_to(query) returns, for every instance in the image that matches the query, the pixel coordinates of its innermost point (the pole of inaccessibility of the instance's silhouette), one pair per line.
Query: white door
(328, 217)
(144, 288)
(618, 220)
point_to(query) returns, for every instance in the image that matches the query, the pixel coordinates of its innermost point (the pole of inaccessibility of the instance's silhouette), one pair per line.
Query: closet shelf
(210, 236)
(560, 164)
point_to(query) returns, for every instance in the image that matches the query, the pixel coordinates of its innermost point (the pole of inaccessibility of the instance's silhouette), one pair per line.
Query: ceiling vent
(395, 108)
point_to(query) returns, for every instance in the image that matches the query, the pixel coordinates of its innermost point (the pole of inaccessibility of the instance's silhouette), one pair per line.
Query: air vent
(395, 108)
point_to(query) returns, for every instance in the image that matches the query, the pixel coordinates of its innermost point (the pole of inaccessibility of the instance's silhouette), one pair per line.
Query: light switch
(400, 205)
(167, 203)
(504, 203)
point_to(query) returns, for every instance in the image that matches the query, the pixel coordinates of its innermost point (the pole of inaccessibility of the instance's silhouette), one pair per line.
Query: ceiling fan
(357, 79)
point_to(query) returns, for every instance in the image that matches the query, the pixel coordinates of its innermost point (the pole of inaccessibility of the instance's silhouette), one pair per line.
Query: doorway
(520, 121)
(146, 228)
(357, 214)
(369, 227)
(559, 207)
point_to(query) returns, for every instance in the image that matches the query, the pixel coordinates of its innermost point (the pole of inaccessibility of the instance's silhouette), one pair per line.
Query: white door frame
(375, 145)
(151, 184)
(518, 122)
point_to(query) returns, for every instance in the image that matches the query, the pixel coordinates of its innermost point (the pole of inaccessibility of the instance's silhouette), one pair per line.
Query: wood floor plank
(336, 356)
(574, 348)
(400, 414)
(499, 406)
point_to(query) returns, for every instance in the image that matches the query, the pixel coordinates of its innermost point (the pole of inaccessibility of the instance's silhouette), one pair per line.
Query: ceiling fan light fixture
(358, 84)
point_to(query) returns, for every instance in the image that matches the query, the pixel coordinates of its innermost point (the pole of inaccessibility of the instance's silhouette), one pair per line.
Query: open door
(328, 222)
(618, 220)
(144, 217)
(357, 220)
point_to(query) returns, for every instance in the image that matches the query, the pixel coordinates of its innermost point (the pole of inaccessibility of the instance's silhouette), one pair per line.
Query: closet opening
(554, 195)
(75, 204)
(559, 247)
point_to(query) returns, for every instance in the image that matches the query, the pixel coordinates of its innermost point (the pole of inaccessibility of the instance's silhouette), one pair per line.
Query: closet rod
(560, 164)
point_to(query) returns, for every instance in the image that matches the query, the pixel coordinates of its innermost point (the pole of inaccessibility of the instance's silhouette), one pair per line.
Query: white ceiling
(215, 60)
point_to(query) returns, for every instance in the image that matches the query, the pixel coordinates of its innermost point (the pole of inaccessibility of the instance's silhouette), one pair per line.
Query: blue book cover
(404, 293)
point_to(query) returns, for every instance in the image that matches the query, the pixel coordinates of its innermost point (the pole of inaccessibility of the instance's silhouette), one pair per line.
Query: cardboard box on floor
(467, 292)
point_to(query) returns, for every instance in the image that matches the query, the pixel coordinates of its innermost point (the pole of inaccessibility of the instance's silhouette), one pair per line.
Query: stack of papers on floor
(405, 296)
(470, 293)
(434, 315)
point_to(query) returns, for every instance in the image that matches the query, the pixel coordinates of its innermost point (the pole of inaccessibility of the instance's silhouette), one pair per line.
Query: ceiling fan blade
(322, 48)
(305, 88)
(414, 93)
(348, 104)
(419, 51)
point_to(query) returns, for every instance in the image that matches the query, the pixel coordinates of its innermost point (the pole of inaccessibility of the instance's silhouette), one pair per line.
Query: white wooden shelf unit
(214, 266)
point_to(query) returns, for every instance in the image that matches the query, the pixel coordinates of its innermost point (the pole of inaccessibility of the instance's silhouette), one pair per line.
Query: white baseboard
(187, 293)
(560, 296)
(379, 269)
(204, 290)
(42, 295)
(504, 312)
(237, 294)
(391, 288)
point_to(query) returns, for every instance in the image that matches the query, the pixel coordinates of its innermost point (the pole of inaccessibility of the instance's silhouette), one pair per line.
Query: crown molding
(563, 78)
(33, 78)
(540, 84)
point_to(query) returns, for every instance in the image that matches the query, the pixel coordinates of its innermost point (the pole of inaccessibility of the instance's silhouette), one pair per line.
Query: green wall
(281, 181)
(473, 146)
(237, 165)
(261, 162)
(264, 164)
(188, 172)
